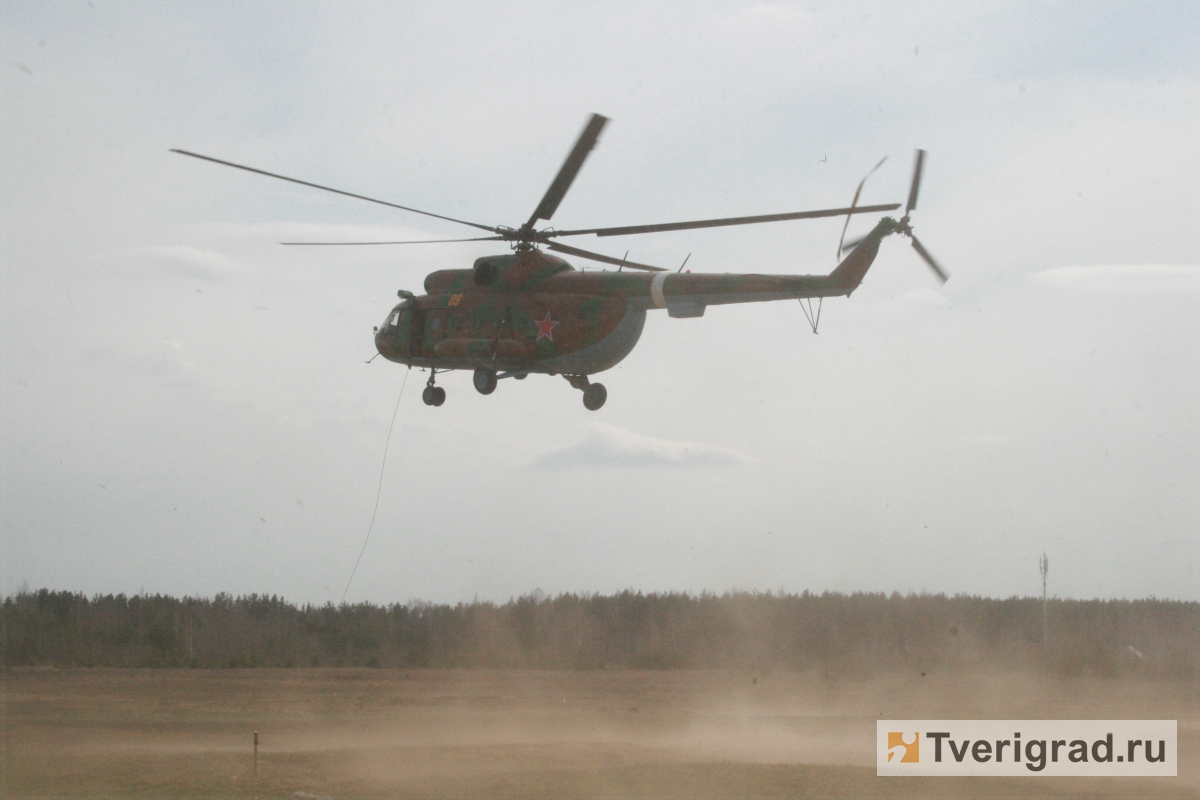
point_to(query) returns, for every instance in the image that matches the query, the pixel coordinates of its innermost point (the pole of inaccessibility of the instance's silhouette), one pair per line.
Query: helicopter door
(435, 324)
(398, 325)
(417, 332)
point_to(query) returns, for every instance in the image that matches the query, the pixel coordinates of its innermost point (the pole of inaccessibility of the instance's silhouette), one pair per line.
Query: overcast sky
(186, 407)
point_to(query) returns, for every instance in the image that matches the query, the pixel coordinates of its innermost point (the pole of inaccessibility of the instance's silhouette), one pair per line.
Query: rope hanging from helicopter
(379, 488)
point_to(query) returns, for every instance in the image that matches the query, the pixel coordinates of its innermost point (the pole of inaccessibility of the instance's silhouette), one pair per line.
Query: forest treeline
(836, 634)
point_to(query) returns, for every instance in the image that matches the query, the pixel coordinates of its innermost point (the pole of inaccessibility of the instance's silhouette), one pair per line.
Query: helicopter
(529, 311)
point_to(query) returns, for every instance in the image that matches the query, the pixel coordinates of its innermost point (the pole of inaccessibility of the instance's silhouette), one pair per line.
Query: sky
(186, 404)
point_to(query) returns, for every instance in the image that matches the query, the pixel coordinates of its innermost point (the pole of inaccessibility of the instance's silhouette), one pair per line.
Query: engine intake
(485, 273)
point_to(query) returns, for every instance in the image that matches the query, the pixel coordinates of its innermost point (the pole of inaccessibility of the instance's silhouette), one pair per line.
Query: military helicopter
(529, 311)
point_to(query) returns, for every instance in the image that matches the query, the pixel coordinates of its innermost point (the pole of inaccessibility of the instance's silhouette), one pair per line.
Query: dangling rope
(378, 489)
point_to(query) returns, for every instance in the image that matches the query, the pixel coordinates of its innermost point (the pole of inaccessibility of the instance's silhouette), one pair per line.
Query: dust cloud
(596, 733)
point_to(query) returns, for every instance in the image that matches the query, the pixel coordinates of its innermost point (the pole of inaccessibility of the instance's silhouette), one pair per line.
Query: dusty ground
(432, 733)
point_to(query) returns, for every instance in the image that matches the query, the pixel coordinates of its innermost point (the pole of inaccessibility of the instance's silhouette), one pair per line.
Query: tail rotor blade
(923, 253)
(854, 203)
(850, 245)
(916, 183)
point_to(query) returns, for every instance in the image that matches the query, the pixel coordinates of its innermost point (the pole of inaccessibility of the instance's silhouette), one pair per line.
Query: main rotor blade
(419, 241)
(720, 223)
(575, 251)
(570, 168)
(335, 191)
(854, 203)
(916, 182)
(923, 253)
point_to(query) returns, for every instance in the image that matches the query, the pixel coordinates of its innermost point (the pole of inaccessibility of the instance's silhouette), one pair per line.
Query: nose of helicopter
(382, 344)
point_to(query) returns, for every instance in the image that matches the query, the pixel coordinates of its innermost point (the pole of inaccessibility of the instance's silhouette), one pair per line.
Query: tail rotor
(905, 228)
(915, 188)
(942, 275)
(904, 225)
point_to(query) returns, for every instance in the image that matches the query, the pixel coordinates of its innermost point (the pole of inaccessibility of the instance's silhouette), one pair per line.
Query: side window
(438, 324)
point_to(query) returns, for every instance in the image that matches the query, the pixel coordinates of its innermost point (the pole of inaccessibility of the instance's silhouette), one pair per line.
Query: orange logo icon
(904, 747)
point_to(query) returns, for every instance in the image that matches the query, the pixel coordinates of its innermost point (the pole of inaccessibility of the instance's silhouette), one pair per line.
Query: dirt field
(416, 733)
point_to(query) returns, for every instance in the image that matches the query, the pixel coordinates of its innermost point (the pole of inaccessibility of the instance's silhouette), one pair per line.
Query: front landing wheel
(433, 395)
(594, 396)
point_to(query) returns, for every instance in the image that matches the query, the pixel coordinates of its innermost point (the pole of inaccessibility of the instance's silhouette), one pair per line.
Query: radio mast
(1044, 566)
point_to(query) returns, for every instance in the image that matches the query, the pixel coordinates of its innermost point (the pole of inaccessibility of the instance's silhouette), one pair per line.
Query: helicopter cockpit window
(392, 319)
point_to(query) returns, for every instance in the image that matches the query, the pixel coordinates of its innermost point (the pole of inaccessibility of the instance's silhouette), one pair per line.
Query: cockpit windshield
(392, 319)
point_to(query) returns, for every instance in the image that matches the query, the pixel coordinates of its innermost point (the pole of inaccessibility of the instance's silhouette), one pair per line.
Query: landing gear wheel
(433, 395)
(594, 396)
(485, 381)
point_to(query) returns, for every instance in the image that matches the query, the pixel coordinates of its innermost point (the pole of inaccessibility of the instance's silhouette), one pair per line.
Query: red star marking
(545, 327)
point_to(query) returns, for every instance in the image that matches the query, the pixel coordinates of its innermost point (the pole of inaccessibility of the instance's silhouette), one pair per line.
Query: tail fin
(850, 273)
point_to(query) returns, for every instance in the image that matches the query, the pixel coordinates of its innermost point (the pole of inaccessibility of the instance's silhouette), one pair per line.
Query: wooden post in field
(256, 752)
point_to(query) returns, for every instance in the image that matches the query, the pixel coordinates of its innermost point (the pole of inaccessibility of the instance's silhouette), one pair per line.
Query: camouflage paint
(530, 311)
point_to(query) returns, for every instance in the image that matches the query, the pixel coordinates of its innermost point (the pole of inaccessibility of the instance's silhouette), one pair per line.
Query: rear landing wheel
(439, 396)
(594, 396)
(485, 381)
(427, 395)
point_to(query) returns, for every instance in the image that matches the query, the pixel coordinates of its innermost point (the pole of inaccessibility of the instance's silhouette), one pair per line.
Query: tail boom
(686, 295)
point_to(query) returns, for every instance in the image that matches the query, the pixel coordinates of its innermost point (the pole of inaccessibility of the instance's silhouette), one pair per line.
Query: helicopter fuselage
(533, 312)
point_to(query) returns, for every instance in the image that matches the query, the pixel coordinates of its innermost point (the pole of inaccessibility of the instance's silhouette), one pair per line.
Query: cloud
(167, 362)
(606, 447)
(986, 439)
(925, 298)
(1125, 278)
(763, 15)
(190, 262)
